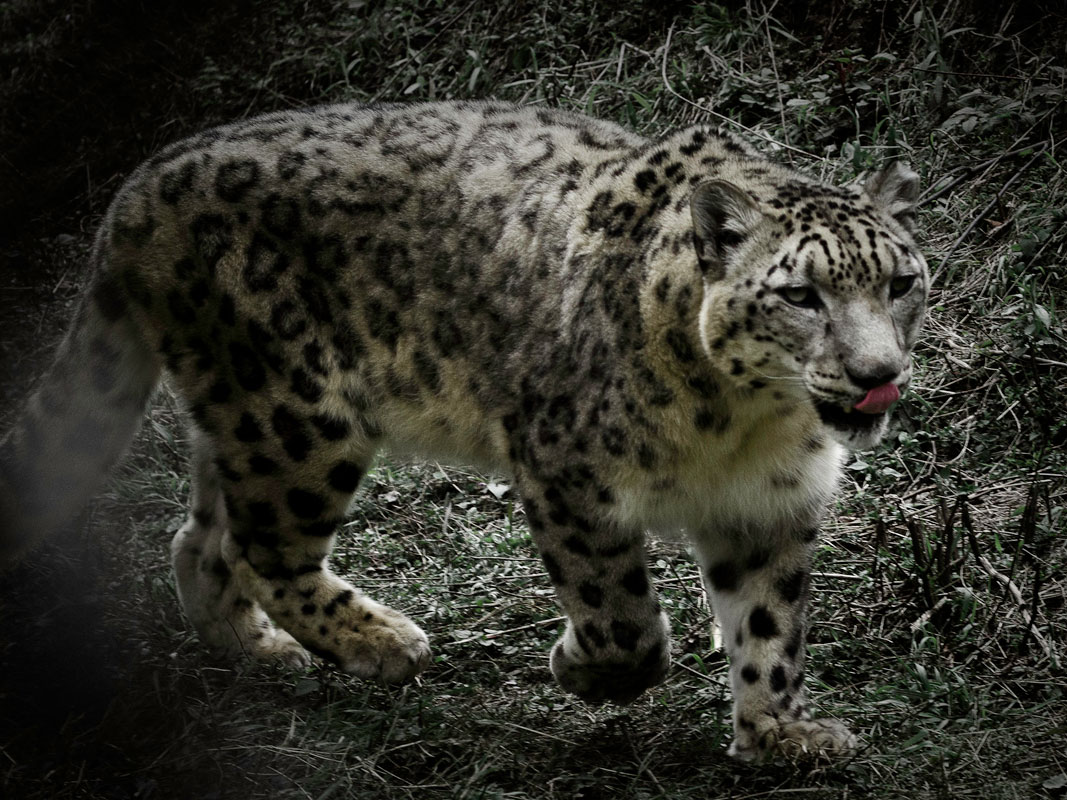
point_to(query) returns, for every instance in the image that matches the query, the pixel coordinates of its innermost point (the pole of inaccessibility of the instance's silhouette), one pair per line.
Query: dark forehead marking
(812, 240)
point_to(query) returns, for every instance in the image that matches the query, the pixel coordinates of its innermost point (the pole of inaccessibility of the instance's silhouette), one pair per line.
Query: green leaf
(1043, 316)
(1056, 782)
(305, 686)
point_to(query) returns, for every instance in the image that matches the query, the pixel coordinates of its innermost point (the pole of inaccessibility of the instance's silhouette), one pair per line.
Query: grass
(939, 604)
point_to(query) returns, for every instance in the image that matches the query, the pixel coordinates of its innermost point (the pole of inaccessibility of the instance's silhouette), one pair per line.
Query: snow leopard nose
(873, 377)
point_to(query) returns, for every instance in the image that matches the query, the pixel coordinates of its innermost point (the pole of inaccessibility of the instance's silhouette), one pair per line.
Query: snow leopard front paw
(381, 644)
(363, 638)
(587, 664)
(804, 738)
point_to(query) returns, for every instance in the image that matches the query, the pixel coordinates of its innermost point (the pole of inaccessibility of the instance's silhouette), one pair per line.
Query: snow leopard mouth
(850, 421)
(865, 416)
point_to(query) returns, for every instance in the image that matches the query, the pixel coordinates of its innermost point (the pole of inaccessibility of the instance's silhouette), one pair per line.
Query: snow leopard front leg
(758, 586)
(616, 643)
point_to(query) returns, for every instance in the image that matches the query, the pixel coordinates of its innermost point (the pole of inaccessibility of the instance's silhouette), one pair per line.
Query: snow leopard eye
(801, 296)
(901, 285)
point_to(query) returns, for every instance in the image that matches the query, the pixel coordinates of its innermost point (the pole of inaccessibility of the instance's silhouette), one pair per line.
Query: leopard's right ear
(723, 215)
(896, 190)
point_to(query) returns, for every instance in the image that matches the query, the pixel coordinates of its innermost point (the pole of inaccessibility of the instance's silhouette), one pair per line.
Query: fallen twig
(1009, 585)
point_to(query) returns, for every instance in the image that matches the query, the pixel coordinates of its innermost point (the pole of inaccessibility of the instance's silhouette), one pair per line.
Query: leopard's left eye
(801, 296)
(901, 285)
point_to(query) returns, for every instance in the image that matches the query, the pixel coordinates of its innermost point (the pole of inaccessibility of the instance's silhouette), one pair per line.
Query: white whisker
(780, 378)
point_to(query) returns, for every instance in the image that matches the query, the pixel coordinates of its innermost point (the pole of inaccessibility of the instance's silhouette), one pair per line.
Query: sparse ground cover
(939, 619)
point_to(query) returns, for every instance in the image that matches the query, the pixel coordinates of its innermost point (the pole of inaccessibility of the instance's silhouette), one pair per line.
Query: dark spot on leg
(227, 310)
(294, 438)
(287, 320)
(248, 430)
(266, 537)
(625, 635)
(577, 546)
(342, 599)
(750, 673)
(792, 586)
(305, 504)
(247, 367)
(179, 308)
(263, 513)
(679, 343)
(219, 569)
(555, 572)
(762, 623)
(591, 594)
(261, 465)
(305, 386)
(613, 551)
(793, 647)
(345, 476)
(594, 635)
(778, 679)
(636, 581)
(724, 576)
(226, 471)
(320, 528)
(220, 392)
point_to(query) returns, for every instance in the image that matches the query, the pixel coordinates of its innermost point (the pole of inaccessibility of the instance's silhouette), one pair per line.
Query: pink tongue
(879, 399)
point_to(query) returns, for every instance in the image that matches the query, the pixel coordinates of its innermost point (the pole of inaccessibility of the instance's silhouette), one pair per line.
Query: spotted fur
(665, 335)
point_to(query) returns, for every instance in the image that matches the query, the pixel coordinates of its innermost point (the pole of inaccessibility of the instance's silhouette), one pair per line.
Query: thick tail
(78, 422)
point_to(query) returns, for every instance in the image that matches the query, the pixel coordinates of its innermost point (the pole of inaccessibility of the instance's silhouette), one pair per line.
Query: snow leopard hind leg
(225, 618)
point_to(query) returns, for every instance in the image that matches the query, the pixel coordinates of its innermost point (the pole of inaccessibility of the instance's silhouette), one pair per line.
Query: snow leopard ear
(723, 215)
(896, 190)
